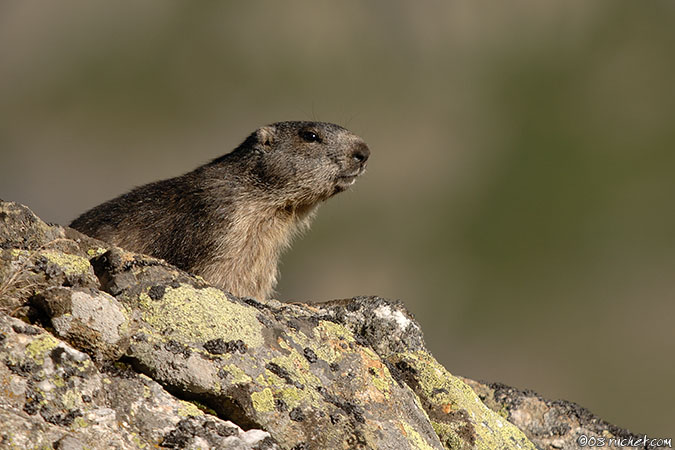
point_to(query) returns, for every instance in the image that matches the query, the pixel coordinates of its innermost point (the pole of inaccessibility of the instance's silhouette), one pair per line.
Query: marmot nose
(360, 153)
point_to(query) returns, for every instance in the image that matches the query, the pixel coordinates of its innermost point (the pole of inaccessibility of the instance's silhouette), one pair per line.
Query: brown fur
(229, 220)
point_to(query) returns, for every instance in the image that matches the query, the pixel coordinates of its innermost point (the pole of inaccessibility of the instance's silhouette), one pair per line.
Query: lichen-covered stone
(196, 315)
(20, 228)
(549, 424)
(54, 396)
(453, 407)
(459, 418)
(93, 320)
(126, 329)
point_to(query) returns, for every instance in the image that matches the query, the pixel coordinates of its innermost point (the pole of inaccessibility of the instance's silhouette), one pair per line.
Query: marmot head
(303, 163)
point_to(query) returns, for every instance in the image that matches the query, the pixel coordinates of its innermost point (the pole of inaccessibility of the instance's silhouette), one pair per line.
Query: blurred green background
(520, 194)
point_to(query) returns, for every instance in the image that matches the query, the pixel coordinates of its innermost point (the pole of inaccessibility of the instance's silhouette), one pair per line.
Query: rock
(559, 424)
(93, 320)
(121, 349)
(54, 396)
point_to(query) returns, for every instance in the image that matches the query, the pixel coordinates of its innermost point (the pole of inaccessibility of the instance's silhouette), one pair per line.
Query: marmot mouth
(347, 179)
(344, 182)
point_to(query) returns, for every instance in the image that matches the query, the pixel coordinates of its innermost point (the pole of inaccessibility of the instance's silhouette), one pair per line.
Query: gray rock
(58, 398)
(139, 354)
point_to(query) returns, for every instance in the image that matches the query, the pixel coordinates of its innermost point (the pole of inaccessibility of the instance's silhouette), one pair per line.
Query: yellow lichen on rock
(69, 263)
(263, 401)
(188, 409)
(189, 314)
(416, 441)
(38, 349)
(467, 418)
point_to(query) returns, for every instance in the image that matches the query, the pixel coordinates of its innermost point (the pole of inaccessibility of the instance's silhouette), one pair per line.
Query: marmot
(229, 220)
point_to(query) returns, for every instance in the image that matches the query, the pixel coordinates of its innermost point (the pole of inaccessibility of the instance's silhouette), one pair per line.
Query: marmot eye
(310, 136)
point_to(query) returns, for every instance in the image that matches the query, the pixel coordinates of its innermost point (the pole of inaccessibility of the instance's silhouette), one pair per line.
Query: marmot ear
(266, 136)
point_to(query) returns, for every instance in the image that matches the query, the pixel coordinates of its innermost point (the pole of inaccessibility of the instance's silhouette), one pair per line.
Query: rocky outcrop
(103, 348)
(55, 397)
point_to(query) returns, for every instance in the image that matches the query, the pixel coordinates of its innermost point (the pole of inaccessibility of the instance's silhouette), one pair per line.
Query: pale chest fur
(246, 254)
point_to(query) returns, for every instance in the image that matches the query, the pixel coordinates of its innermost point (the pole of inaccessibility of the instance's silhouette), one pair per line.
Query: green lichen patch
(80, 422)
(71, 399)
(263, 401)
(70, 264)
(416, 441)
(332, 330)
(334, 339)
(290, 379)
(448, 435)
(297, 367)
(188, 315)
(38, 349)
(380, 378)
(17, 253)
(236, 375)
(454, 408)
(98, 251)
(188, 409)
(293, 396)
